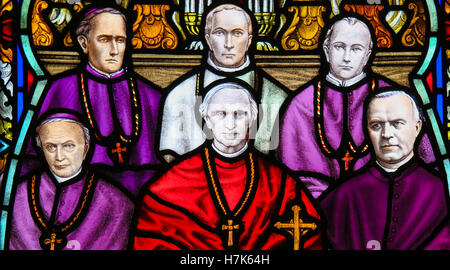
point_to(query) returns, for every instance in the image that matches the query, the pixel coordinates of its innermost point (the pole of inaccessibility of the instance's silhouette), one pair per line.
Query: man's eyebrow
(397, 120)
(352, 45)
(218, 28)
(386, 121)
(54, 143)
(110, 36)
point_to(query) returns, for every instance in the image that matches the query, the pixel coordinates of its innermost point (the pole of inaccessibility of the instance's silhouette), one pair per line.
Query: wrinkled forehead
(61, 129)
(391, 108)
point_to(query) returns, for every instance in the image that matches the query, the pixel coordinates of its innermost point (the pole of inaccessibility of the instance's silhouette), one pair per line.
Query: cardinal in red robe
(224, 194)
(211, 202)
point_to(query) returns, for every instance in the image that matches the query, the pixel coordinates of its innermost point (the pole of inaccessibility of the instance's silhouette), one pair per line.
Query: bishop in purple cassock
(84, 213)
(395, 202)
(64, 204)
(381, 210)
(321, 134)
(120, 107)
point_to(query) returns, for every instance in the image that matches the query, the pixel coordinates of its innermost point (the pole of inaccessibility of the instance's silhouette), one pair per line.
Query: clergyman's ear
(367, 57)
(325, 50)
(207, 129)
(82, 40)
(418, 127)
(207, 121)
(86, 149)
(207, 37)
(249, 41)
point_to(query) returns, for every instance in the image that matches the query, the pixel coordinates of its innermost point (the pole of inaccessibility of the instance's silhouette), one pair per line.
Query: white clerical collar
(232, 155)
(225, 69)
(389, 170)
(332, 79)
(64, 179)
(104, 74)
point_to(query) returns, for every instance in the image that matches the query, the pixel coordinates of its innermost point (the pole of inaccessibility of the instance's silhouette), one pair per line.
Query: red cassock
(209, 202)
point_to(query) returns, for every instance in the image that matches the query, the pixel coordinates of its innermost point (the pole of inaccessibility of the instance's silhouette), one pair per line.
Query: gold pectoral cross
(119, 151)
(296, 227)
(230, 227)
(347, 159)
(52, 241)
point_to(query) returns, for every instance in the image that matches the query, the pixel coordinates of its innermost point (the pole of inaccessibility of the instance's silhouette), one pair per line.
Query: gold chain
(33, 199)
(252, 180)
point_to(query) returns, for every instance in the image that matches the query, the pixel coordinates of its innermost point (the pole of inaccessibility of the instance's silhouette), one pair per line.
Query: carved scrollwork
(372, 14)
(151, 29)
(415, 33)
(305, 28)
(6, 55)
(42, 35)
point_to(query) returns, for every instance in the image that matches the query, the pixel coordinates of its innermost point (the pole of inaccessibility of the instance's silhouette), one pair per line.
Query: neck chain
(230, 224)
(347, 153)
(117, 144)
(54, 236)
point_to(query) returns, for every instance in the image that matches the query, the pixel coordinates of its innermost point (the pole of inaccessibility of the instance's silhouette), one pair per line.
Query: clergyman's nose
(114, 48)
(228, 42)
(59, 154)
(386, 132)
(347, 57)
(229, 121)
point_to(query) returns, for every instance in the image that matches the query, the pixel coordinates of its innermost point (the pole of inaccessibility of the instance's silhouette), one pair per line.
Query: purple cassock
(85, 213)
(324, 122)
(379, 210)
(122, 114)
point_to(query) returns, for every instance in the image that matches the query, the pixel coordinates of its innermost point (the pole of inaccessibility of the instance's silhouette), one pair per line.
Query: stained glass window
(36, 43)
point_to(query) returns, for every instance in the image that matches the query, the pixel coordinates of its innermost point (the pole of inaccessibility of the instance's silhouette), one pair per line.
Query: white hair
(87, 137)
(416, 110)
(228, 86)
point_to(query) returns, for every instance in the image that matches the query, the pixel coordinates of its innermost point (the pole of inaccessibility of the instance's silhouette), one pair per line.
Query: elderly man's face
(348, 50)
(64, 148)
(229, 117)
(392, 129)
(106, 44)
(229, 39)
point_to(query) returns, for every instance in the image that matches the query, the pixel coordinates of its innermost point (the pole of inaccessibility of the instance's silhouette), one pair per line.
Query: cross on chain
(296, 227)
(119, 151)
(52, 241)
(347, 159)
(230, 227)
